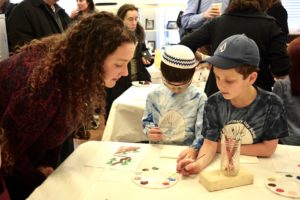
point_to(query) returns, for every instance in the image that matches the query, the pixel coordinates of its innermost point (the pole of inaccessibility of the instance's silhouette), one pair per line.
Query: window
(293, 9)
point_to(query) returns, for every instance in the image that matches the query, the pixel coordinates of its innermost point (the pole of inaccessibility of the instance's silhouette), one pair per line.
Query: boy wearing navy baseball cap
(238, 104)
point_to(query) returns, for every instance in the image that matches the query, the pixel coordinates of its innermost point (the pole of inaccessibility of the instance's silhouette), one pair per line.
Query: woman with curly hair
(50, 88)
(137, 71)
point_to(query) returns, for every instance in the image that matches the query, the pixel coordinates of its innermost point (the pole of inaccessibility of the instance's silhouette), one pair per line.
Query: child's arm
(263, 149)
(206, 154)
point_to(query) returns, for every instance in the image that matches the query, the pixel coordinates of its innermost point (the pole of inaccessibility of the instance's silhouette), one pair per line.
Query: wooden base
(215, 180)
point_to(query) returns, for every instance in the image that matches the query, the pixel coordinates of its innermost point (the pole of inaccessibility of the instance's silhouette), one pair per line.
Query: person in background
(259, 114)
(289, 90)
(85, 7)
(174, 111)
(276, 10)
(51, 87)
(248, 17)
(6, 7)
(137, 67)
(34, 19)
(195, 16)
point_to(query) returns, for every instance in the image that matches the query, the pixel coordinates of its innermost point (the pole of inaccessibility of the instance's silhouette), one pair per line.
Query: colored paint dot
(289, 175)
(171, 179)
(294, 193)
(145, 169)
(271, 179)
(137, 178)
(298, 165)
(166, 183)
(279, 190)
(155, 168)
(144, 182)
(298, 177)
(272, 185)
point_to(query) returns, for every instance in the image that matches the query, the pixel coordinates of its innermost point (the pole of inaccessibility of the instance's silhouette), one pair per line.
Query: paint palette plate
(155, 178)
(141, 83)
(284, 184)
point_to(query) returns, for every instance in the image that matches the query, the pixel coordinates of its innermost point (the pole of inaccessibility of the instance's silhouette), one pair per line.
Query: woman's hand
(46, 170)
(74, 13)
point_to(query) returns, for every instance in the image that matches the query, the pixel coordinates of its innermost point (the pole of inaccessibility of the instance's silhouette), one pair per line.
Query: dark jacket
(34, 19)
(280, 14)
(260, 27)
(125, 82)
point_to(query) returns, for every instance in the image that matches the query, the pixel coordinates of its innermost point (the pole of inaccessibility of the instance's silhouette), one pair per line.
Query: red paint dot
(144, 182)
(279, 190)
(137, 178)
(298, 165)
(166, 183)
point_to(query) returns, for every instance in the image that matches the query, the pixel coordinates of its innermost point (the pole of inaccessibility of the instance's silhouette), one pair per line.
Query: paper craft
(155, 178)
(171, 151)
(286, 184)
(123, 157)
(285, 163)
(248, 159)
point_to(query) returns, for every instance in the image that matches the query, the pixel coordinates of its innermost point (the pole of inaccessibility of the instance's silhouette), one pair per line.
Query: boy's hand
(155, 135)
(188, 166)
(187, 153)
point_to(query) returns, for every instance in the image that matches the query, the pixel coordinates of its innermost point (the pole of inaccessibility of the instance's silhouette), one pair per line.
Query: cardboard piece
(215, 180)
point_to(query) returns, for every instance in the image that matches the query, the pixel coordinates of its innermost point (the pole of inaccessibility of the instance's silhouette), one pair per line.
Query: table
(125, 118)
(74, 180)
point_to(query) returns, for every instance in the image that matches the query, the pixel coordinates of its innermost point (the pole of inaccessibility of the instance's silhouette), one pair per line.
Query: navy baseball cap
(234, 51)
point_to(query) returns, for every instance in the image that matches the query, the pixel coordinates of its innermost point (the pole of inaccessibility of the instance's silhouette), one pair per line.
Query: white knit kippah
(179, 56)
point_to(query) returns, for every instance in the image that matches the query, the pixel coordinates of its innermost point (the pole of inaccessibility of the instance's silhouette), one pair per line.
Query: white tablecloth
(125, 118)
(74, 180)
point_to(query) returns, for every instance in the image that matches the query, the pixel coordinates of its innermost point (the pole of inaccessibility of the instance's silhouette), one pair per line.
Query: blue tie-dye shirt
(179, 116)
(263, 119)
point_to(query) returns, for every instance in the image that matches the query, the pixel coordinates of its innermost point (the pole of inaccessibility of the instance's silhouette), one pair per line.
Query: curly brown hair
(75, 61)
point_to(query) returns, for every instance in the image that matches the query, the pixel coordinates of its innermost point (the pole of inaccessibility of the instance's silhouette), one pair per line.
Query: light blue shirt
(192, 20)
(179, 116)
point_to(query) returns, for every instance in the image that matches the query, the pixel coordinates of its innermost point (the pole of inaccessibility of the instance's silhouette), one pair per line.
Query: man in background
(198, 12)
(34, 19)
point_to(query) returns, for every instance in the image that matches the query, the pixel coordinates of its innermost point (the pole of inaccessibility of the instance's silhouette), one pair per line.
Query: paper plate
(141, 83)
(284, 184)
(155, 178)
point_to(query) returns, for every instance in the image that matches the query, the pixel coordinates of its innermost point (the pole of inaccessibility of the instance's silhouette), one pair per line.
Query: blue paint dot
(298, 177)
(171, 179)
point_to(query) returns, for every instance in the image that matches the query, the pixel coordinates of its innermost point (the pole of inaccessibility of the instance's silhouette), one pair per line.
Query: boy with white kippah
(174, 111)
(259, 115)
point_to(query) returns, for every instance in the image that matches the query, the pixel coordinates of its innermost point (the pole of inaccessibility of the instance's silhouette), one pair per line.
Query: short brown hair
(246, 70)
(173, 74)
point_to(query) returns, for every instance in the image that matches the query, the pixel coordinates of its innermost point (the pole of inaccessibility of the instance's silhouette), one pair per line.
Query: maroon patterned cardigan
(37, 125)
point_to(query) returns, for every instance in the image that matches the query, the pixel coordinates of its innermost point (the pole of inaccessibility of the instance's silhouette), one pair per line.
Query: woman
(289, 90)
(246, 17)
(51, 87)
(137, 66)
(85, 7)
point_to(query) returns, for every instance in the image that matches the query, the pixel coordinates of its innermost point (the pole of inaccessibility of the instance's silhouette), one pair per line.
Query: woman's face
(131, 19)
(83, 5)
(115, 64)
